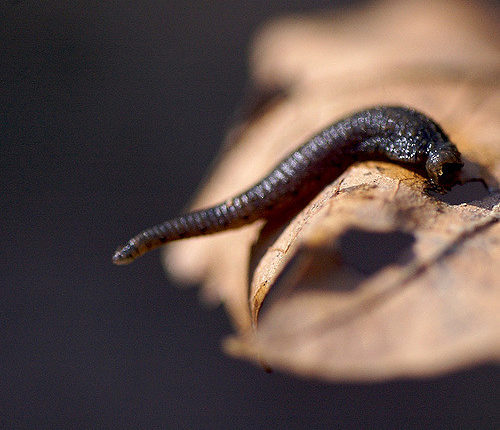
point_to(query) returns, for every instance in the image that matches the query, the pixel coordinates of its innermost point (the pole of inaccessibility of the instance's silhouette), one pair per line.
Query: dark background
(110, 114)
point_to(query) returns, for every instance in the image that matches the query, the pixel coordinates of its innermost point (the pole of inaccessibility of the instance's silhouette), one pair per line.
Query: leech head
(443, 165)
(126, 254)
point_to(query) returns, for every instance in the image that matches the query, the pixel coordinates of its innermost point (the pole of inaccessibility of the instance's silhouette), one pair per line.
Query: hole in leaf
(465, 193)
(368, 252)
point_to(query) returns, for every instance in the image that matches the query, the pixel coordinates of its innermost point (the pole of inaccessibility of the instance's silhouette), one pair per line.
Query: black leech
(398, 134)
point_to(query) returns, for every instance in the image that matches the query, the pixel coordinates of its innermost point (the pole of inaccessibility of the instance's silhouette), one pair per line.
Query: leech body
(398, 134)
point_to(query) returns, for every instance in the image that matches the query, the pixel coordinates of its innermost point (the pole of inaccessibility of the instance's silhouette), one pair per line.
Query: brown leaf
(374, 278)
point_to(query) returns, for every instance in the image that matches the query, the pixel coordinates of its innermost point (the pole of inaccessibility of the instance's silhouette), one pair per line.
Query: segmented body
(398, 134)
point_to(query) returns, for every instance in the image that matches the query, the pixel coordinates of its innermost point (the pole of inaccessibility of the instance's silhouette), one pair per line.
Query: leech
(398, 134)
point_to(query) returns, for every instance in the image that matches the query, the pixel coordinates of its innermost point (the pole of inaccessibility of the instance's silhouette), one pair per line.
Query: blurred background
(110, 114)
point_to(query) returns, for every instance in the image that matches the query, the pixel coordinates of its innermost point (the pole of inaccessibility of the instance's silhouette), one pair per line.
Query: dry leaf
(374, 278)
